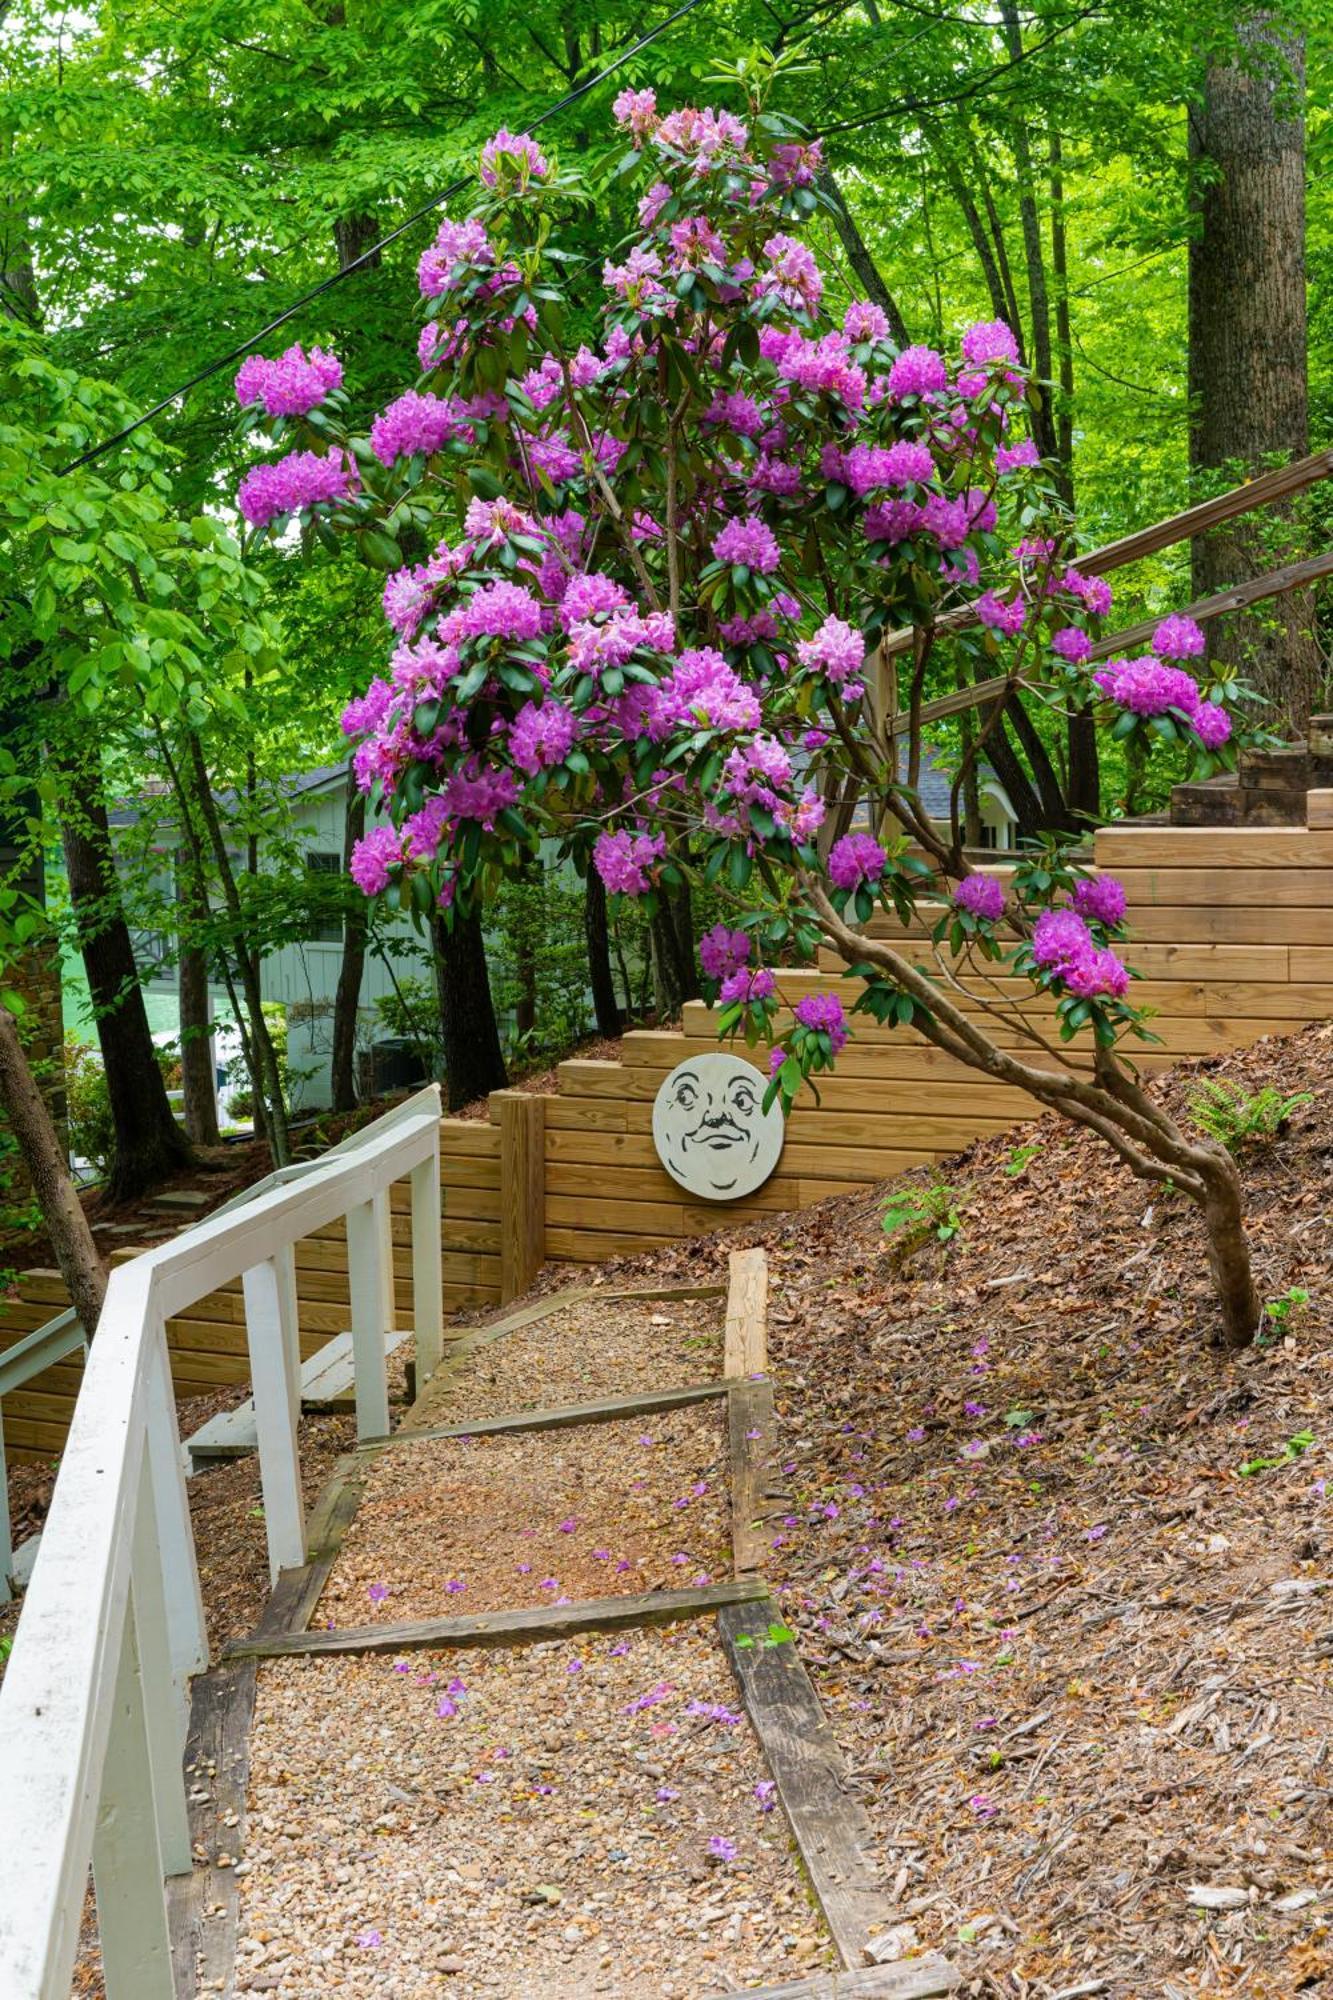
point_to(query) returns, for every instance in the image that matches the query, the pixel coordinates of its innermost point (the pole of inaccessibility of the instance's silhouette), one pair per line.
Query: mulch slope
(457, 1526)
(1062, 1569)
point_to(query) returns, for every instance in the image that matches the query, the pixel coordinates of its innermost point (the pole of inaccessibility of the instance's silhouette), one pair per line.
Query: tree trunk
(44, 1157)
(1229, 1254)
(1039, 305)
(868, 273)
(261, 1056)
(1247, 344)
(347, 999)
(198, 1078)
(474, 1062)
(149, 1146)
(598, 934)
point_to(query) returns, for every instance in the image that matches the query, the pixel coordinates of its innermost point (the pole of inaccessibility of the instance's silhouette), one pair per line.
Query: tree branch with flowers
(644, 531)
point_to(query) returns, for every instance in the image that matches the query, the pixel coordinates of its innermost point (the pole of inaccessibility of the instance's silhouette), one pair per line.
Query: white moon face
(710, 1128)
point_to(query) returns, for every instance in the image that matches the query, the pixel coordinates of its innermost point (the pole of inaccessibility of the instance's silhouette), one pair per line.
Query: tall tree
(1248, 376)
(149, 1145)
(474, 1063)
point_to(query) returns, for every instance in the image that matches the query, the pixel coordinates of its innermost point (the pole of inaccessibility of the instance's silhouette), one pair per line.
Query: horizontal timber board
(506, 1628)
(469, 1138)
(611, 1150)
(1212, 847)
(651, 1184)
(1184, 961)
(1241, 888)
(907, 1979)
(560, 1416)
(585, 1114)
(1312, 962)
(841, 1092)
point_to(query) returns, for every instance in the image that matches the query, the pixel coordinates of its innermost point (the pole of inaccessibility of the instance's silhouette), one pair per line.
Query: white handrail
(94, 1703)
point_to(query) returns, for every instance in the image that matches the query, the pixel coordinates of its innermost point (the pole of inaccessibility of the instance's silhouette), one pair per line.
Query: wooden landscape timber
(506, 1628)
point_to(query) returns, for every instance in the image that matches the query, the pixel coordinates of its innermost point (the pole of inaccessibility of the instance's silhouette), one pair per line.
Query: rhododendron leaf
(379, 549)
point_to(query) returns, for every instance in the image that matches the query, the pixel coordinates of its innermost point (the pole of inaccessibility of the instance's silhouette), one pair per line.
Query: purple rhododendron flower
(723, 951)
(745, 987)
(750, 542)
(822, 1013)
(1100, 898)
(983, 895)
(1178, 638)
(855, 859)
(987, 341)
(302, 479)
(918, 371)
(1211, 724)
(1071, 643)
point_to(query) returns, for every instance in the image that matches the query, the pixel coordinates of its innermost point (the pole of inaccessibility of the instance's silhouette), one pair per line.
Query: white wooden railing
(95, 1701)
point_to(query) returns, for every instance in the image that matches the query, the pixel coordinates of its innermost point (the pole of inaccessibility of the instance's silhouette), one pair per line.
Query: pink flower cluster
(625, 861)
(416, 423)
(982, 896)
(292, 385)
(748, 541)
(514, 154)
(1146, 687)
(856, 859)
(723, 951)
(302, 479)
(822, 1014)
(1063, 947)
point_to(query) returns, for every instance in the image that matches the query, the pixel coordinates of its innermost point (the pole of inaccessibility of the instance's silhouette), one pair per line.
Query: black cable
(346, 270)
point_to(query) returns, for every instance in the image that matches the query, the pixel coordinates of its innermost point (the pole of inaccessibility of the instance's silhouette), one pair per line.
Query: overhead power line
(367, 256)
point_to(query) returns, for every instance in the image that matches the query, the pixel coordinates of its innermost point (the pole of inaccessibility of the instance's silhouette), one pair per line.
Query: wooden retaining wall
(1232, 928)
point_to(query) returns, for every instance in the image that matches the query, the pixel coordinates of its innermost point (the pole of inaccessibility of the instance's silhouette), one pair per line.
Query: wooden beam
(560, 1416)
(909, 1979)
(508, 1628)
(750, 1425)
(745, 1346)
(522, 1120)
(1292, 576)
(1182, 527)
(829, 1823)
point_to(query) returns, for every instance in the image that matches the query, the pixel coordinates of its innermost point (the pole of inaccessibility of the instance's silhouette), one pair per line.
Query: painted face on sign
(713, 1135)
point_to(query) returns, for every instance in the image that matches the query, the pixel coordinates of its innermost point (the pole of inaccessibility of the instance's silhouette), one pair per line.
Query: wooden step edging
(909, 1979)
(829, 1824)
(560, 1416)
(506, 1628)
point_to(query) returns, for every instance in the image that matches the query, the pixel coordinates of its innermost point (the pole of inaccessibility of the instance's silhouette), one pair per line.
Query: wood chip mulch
(1061, 1567)
(449, 1527)
(581, 1354)
(543, 1823)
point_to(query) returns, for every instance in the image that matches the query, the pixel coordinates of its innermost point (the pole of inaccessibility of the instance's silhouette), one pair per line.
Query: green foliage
(241, 1102)
(538, 955)
(412, 1013)
(1019, 1158)
(92, 1132)
(1238, 1121)
(913, 1215)
(1282, 1312)
(1295, 1447)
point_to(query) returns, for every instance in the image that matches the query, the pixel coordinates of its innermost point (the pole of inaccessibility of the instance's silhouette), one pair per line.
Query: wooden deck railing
(95, 1701)
(1247, 498)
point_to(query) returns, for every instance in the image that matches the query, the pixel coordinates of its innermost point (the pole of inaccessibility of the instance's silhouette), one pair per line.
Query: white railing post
(187, 1634)
(127, 1852)
(370, 1282)
(427, 1266)
(6, 1537)
(275, 1374)
(165, 1719)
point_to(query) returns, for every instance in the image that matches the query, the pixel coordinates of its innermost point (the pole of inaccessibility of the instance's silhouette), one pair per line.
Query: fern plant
(913, 1215)
(1237, 1121)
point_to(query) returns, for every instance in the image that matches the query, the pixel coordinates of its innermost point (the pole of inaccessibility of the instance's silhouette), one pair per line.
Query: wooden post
(275, 1372)
(522, 1121)
(164, 1721)
(370, 1280)
(745, 1343)
(127, 1851)
(427, 1267)
(184, 1606)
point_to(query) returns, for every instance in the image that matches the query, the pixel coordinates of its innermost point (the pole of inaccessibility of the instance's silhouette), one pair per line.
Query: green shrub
(913, 1215)
(92, 1132)
(1237, 1121)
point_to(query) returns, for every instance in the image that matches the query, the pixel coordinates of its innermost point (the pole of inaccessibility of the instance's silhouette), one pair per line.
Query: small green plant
(1295, 1447)
(913, 1215)
(1237, 1121)
(1280, 1313)
(6, 1647)
(777, 1635)
(1019, 1158)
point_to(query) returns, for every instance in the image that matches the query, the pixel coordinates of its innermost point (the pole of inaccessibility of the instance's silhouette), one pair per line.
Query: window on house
(325, 897)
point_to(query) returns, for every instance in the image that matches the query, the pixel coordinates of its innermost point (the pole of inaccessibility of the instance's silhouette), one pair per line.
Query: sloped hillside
(1066, 1570)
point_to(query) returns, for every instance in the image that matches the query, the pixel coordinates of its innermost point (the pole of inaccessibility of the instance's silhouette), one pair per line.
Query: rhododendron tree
(643, 531)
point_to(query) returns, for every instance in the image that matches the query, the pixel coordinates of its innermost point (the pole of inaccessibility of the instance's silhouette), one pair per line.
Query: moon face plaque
(710, 1128)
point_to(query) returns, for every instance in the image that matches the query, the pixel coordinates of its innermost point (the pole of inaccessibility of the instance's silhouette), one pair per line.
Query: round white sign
(710, 1128)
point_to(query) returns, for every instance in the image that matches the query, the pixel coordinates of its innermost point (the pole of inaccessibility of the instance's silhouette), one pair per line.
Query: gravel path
(453, 1526)
(584, 1353)
(544, 1823)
